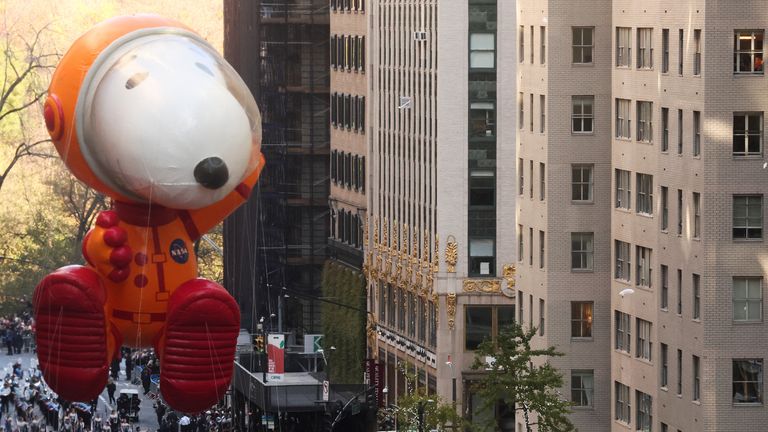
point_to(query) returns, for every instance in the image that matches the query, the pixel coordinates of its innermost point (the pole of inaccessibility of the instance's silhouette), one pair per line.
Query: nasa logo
(179, 251)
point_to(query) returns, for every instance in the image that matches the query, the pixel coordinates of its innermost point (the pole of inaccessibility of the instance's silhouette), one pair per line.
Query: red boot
(197, 348)
(71, 332)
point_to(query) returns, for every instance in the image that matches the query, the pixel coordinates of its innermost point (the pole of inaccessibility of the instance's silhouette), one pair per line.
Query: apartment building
(439, 194)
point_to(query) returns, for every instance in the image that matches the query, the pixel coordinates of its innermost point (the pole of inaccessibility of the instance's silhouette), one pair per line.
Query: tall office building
(441, 134)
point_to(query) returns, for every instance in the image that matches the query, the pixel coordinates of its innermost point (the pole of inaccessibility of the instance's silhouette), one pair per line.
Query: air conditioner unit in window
(419, 36)
(405, 102)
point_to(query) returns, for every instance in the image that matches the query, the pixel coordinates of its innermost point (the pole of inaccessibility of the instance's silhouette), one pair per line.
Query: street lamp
(421, 413)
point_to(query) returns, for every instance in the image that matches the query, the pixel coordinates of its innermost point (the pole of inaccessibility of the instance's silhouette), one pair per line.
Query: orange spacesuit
(143, 110)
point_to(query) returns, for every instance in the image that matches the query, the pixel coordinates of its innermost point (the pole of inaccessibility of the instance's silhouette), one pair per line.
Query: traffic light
(258, 343)
(371, 399)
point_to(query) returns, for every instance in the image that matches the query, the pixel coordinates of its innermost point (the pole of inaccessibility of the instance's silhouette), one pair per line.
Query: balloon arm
(207, 217)
(106, 249)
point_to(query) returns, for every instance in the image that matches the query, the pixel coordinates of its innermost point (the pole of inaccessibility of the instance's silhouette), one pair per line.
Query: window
(644, 193)
(520, 243)
(679, 131)
(643, 266)
(530, 179)
(680, 52)
(623, 46)
(748, 381)
(521, 176)
(581, 182)
(623, 120)
(748, 52)
(541, 249)
(582, 387)
(542, 181)
(541, 317)
(623, 262)
(664, 50)
(520, 111)
(482, 119)
(623, 189)
(748, 217)
(664, 208)
(531, 111)
(697, 133)
(644, 48)
(697, 52)
(582, 251)
(747, 299)
(581, 319)
(696, 282)
(644, 415)
(623, 408)
(530, 250)
(520, 307)
(542, 45)
(582, 114)
(481, 257)
(543, 111)
(623, 332)
(696, 378)
(644, 344)
(696, 215)
(748, 134)
(664, 365)
(583, 44)
(482, 50)
(644, 121)
(664, 287)
(521, 48)
(679, 212)
(665, 129)
(532, 51)
(485, 322)
(482, 187)
(679, 372)
(679, 292)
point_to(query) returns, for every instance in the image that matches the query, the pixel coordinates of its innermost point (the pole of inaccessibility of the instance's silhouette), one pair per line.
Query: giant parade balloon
(144, 110)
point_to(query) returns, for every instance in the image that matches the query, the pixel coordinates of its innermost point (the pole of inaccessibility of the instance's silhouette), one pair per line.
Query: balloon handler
(144, 110)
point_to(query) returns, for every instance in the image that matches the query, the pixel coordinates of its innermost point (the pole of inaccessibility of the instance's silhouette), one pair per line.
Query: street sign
(326, 391)
(313, 343)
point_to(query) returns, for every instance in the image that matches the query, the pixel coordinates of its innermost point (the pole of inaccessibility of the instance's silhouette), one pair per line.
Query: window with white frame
(747, 217)
(542, 45)
(623, 332)
(521, 176)
(582, 114)
(679, 212)
(582, 387)
(623, 261)
(582, 182)
(644, 48)
(520, 243)
(697, 52)
(623, 189)
(696, 288)
(696, 215)
(664, 287)
(679, 372)
(679, 292)
(482, 50)
(747, 134)
(542, 113)
(520, 110)
(680, 131)
(623, 46)
(541, 249)
(582, 251)
(664, 377)
(644, 193)
(697, 133)
(623, 118)
(748, 381)
(696, 378)
(644, 414)
(643, 266)
(644, 344)
(664, 129)
(748, 299)
(583, 44)
(581, 319)
(644, 121)
(748, 52)
(664, 208)
(664, 50)
(521, 48)
(623, 406)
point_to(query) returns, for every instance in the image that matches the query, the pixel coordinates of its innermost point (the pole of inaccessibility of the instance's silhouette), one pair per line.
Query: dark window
(747, 134)
(748, 381)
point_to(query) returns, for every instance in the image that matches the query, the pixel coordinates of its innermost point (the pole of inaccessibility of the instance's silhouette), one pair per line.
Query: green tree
(520, 376)
(418, 411)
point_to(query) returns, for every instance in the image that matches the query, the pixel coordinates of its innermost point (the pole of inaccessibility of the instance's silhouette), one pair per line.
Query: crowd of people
(217, 419)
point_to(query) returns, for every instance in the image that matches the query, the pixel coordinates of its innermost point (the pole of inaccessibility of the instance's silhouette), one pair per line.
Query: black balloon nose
(212, 173)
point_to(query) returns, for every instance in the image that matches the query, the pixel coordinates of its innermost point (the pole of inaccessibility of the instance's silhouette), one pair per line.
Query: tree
(418, 411)
(512, 376)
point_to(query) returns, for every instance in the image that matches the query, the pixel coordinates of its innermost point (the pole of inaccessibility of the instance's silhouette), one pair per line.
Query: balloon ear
(54, 116)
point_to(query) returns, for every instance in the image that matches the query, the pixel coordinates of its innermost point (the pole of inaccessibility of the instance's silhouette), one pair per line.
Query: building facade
(441, 175)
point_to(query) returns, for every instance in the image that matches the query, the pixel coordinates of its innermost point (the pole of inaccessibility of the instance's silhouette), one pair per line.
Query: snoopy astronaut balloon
(144, 110)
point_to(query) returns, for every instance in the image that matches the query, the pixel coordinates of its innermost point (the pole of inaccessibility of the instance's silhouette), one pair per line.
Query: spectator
(111, 387)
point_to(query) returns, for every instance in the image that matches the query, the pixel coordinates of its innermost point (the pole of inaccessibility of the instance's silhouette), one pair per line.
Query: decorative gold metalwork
(376, 232)
(451, 254)
(490, 286)
(394, 238)
(415, 246)
(436, 255)
(385, 235)
(379, 269)
(425, 250)
(404, 243)
(450, 304)
(508, 271)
